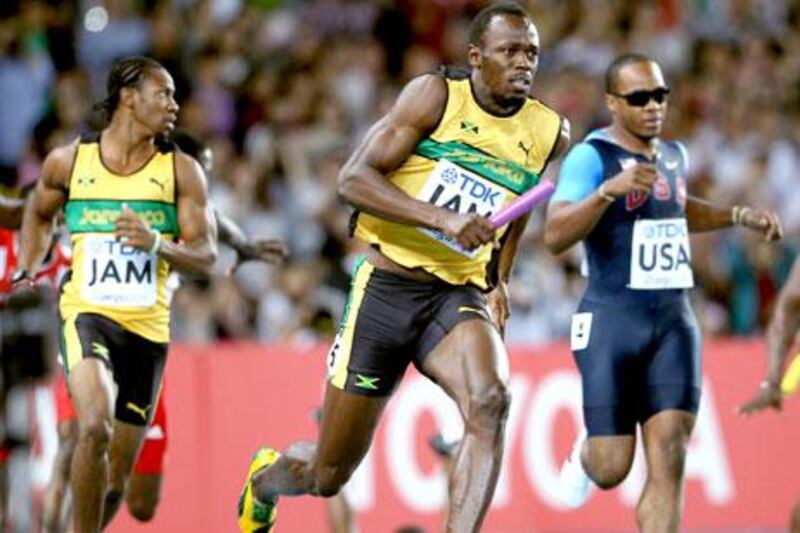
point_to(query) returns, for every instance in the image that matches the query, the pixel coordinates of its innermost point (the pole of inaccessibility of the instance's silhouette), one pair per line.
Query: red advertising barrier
(225, 400)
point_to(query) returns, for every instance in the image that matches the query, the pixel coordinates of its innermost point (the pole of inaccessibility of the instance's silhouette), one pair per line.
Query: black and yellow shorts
(136, 363)
(391, 321)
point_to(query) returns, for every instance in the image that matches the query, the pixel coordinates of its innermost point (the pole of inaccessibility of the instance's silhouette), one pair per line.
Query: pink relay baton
(523, 204)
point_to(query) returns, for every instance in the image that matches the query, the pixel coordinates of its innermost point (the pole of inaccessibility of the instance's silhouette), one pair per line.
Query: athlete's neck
(492, 103)
(633, 143)
(124, 146)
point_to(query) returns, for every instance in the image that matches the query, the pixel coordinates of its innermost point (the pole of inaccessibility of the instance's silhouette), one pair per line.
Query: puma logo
(138, 410)
(526, 149)
(160, 185)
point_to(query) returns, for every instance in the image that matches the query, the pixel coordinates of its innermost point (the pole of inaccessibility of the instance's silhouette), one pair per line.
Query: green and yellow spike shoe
(256, 516)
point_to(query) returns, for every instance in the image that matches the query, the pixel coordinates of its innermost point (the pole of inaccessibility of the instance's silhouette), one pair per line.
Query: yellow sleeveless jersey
(108, 277)
(473, 162)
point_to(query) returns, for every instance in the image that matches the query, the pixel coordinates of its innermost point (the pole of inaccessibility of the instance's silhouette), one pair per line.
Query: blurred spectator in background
(283, 89)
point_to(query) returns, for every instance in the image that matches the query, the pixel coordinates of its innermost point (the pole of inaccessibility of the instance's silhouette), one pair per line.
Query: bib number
(462, 191)
(580, 331)
(660, 255)
(115, 274)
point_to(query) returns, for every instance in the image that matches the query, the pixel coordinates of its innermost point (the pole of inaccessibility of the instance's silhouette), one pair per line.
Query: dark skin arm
(705, 216)
(570, 222)
(11, 210)
(780, 336)
(498, 298)
(45, 202)
(267, 250)
(196, 251)
(362, 180)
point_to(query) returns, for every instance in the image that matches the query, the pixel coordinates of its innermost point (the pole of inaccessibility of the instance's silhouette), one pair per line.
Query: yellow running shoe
(256, 516)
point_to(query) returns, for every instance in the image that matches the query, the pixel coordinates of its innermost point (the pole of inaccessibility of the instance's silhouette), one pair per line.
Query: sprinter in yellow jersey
(135, 210)
(452, 151)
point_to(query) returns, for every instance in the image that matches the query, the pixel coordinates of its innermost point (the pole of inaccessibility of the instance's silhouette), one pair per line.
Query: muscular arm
(363, 183)
(577, 206)
(386, 146)
(229, 232)
(570, 222)
(11, 210)
(705, 216)
(498, 300)
(509, 252)
(780, 335)
(267, 250)
(783, 326)
(44, 202)
(197, 249)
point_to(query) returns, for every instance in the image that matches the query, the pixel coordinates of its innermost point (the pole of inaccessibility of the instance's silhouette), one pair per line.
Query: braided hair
(126, 72)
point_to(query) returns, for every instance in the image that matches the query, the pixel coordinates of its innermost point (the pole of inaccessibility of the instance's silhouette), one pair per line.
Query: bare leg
(90, 384)
(340, 515)
(794, 525)
(471, 365)
(124, 448)
(143, 495)
(56, 500)
(348, 424)
(665, 436)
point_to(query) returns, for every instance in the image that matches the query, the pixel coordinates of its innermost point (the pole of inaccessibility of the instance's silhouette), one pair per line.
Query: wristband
(156, 242)
(603, 194)
(737, 215)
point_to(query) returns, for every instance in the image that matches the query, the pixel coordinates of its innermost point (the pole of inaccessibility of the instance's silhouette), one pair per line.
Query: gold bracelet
(603, 194)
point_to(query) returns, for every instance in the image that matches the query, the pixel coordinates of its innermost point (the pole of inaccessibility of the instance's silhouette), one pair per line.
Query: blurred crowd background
(282, 91)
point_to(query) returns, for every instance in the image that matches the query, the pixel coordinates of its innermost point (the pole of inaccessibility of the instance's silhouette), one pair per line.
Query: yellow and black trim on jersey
(472, 162)
(108, 277)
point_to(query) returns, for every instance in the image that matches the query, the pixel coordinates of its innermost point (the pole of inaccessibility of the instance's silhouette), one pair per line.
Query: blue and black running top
(638, 253)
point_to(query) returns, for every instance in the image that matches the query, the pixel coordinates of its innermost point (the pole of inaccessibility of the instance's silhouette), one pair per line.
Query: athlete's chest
(92, 179)
(667, 197)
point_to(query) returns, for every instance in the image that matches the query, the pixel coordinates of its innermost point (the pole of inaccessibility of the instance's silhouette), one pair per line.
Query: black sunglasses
(642, 98)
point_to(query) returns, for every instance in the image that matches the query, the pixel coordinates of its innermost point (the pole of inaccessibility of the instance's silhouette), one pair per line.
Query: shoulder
(586, 152)
(426, 89)
(188, 173)
(64, 154)
(187, 166)
(541, 107)
(57, 165)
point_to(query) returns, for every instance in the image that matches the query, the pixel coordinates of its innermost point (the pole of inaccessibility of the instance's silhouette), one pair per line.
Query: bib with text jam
(462, 191)
(116, 274)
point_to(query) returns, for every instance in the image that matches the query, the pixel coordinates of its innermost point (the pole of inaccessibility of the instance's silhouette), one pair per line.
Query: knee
(488, 408)
(142, 509)
(330, 480)
(608, 476)
(67, 436)
(673, 453)
(608, 470)
(96, 430)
